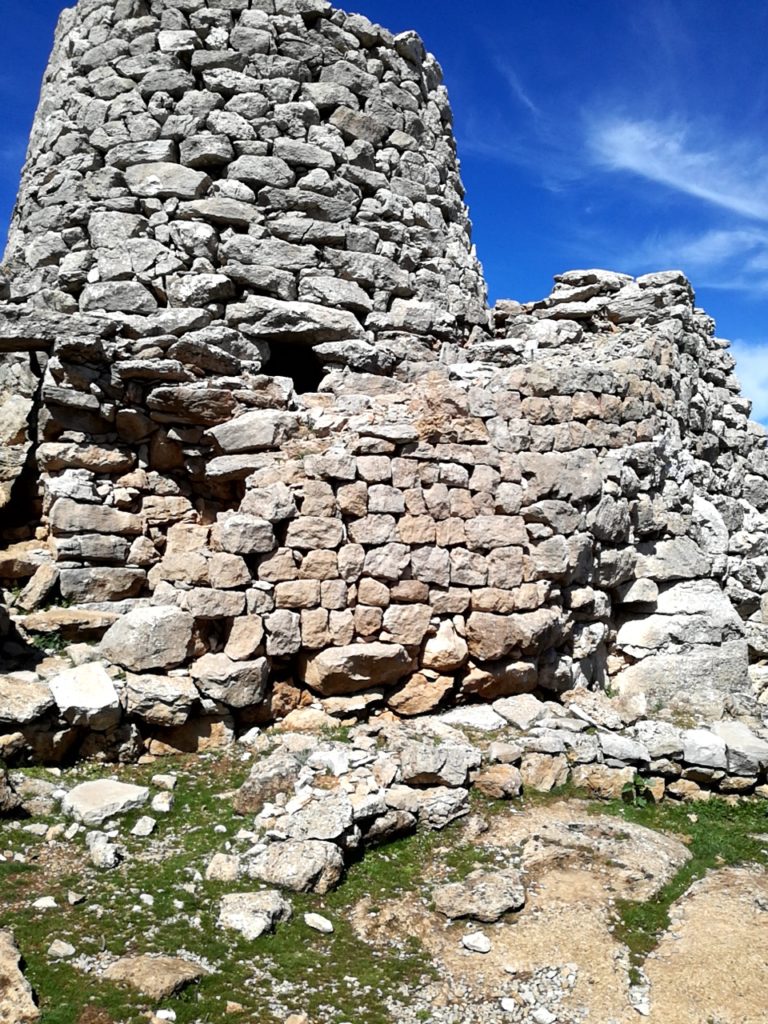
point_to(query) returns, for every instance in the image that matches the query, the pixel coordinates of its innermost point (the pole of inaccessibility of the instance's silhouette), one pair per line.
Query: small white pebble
(45, 903)
(476, 943)
(318, 923)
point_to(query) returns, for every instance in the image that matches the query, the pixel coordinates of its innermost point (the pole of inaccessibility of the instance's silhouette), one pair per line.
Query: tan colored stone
(198, 736)
(319, 565)
(297, 594)
(453, 601)
(410, 592)
(342, 670)
(543, 773)
(314, 628)
(368, 621)
(280, 566)
(227, 571)
(179, 566)
(500, 679)
(417, 530)
(372, 592)
(353, 499)
(310, 532)
(155, 976)
(602, 781)
(407, 624)
(421, 694)
(341, 626)
(492, 637)
(245, 638)
(499, 781)
(684, 789)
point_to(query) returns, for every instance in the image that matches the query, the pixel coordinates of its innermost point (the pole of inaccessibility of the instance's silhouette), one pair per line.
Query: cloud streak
(733, 176)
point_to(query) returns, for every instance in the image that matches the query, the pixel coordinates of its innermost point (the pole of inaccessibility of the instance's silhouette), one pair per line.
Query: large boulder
(299, 865)
(340, 670)
(149, 638)
(252, 914)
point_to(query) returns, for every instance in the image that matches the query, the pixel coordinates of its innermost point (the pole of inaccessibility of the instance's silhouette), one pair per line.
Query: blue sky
(625, 135)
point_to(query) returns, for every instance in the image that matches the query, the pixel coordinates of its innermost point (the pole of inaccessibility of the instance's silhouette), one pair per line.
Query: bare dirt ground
(711, 966)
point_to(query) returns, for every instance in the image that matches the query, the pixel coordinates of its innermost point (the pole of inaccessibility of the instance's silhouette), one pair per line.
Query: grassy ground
(329, 977)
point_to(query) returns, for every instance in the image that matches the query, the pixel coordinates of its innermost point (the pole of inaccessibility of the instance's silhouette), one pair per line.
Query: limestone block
(149, 638)
(209, 604)
(23, 698)
(491, 637)
(257, 430)
(446, 651)
(242, 534)
(91, 803)
(165, 180)
(245, 638)
(99, 583)
(237, 684)
(68, 516)
(283, 630)
(86, 695)
(311, 532)
(160, 700)
(407, 624)
(347, 669)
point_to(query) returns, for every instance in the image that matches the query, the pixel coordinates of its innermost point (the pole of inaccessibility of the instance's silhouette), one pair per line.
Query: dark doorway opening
(298, 362)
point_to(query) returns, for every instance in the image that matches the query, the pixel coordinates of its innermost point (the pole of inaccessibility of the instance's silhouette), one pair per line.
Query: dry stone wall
(267, 448)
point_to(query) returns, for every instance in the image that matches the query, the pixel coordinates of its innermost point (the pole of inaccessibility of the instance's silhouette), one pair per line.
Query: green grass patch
(717, 833)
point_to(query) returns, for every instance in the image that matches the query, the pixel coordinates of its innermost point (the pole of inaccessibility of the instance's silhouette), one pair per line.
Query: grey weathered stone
(481, 896)
(253, 914)
(91, 803)
(149, 638)
(299, 865)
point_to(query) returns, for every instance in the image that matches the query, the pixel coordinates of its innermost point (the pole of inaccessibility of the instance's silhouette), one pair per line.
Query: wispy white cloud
(733, 258)
(518, 90)
(689, 158)
(752, 371)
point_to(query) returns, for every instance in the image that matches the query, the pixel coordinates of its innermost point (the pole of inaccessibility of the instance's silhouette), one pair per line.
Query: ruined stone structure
(265, 443)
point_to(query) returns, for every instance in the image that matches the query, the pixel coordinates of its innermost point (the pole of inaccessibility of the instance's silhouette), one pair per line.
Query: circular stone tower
(211, 154)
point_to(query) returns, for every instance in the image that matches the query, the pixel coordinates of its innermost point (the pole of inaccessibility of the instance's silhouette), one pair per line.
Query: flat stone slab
(155, 976)
(90, 803)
